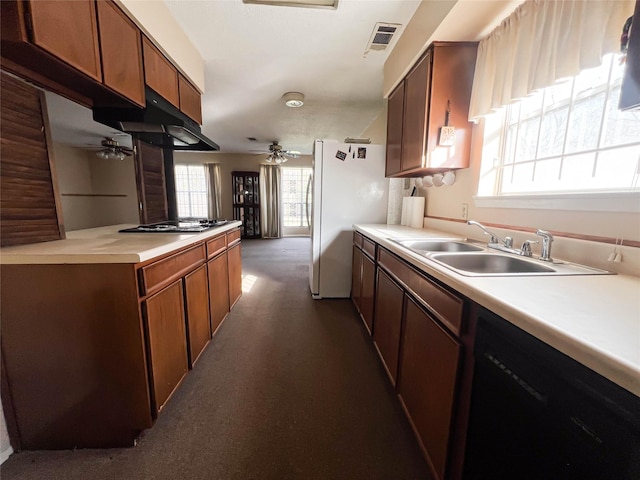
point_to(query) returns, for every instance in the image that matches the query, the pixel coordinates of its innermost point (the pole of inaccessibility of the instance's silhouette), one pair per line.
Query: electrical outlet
(464, 212)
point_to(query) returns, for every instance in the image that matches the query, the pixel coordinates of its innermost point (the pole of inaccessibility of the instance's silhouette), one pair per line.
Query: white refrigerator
(348, 187)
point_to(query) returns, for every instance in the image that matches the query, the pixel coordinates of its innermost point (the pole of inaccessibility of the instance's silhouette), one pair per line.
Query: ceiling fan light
(293, 99)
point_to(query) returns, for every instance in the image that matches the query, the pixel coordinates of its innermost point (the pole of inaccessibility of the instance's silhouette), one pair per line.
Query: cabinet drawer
(233, 237)
(369, 248)
(445, 306)
(216, 245)
(165, 271)
(357, 239)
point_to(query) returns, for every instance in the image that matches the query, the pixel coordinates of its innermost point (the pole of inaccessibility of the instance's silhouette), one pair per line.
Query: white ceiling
(254, 54)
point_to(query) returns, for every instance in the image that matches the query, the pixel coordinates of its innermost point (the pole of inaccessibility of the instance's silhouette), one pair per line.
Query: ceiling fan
(112, 150)
(278, 155)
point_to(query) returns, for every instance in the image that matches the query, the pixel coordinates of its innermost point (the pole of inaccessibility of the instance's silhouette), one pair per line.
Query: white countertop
(106, 245)
(595, 319)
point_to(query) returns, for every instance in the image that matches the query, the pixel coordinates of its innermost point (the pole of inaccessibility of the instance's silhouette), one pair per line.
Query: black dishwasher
(537, 414)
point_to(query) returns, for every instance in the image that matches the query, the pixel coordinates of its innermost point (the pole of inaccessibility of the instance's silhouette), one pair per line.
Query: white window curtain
(214, 190)
(541, 42)
(270, 201)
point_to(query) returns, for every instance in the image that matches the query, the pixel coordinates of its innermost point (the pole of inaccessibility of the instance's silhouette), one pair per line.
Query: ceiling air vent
(382, 36)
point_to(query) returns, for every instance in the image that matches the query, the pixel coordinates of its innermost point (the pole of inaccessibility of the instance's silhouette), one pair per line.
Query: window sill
(621, 202)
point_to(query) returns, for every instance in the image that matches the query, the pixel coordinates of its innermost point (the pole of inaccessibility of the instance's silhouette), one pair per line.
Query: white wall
(230, 162)
(81, 172)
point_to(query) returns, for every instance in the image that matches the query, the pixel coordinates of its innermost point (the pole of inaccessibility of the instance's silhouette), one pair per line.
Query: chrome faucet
(547, 239)
(525, 250)
(493, 237)
(505, 245)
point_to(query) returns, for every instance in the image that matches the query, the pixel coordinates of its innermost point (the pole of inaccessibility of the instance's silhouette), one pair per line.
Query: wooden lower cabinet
(363, 278)
(356, 275)
(91, 353)
(167, 341)
(388, 321)
(196, 292)
(73, 356)
(234, 257)
(367, 290)
(427, 382)
(218, 272)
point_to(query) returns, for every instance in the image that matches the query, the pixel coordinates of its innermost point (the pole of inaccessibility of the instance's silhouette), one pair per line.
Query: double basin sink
(471, 259)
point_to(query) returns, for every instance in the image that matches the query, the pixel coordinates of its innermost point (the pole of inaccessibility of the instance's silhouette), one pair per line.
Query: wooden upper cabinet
(395, 111)
(159, 74)
(442, 77)
(121, 49)
(416, 108)
(190, 103)
(68, 30)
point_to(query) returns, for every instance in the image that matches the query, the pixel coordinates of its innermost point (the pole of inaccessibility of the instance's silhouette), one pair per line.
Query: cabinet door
(235, 273)
(167, 341)
(416, 109)
(453, 66)
(427, 382)
(197, 294)
(190, 102)
(388, 322)
(356, 276)
(68, 30)
(367, 291)
(159, 73)
(152, 189)
(218, 271)
(395, 111)
(29, 203)
(121, 50)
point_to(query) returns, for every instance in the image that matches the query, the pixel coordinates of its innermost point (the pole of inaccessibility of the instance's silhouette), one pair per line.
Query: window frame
(189, 191)
(296, 230)
(491, 192)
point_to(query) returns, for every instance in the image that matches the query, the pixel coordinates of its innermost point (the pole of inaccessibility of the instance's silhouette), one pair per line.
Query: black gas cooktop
(177, 226)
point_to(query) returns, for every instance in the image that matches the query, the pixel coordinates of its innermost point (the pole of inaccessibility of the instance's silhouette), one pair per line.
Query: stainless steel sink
(477, 261)
(438, 245)
(495, 264)
(490, 263)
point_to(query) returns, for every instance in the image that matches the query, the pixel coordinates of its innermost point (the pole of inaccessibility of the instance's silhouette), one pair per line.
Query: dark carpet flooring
(289, 388)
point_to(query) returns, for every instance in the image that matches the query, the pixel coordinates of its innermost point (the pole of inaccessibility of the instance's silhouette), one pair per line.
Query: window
(191, 191)
(295, 186)
(567, 138)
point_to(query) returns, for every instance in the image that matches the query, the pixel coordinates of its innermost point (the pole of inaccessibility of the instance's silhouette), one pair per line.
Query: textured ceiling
(254, 54)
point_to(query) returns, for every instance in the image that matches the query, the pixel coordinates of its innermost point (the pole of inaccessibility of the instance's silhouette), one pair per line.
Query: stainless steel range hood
(159, 123)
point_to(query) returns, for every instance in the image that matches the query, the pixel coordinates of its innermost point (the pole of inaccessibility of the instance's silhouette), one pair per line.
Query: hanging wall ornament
(447, 136)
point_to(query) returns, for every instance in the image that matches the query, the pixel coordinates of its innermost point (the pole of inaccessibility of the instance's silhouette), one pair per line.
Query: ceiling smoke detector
(293, 99)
